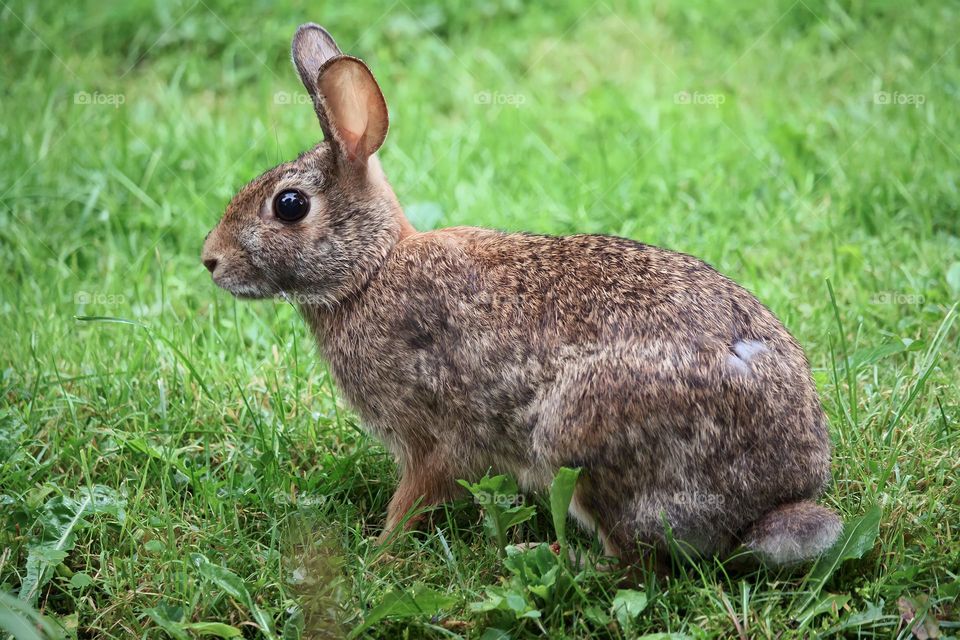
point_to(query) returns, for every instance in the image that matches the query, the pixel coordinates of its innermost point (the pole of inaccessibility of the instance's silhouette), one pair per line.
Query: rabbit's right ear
(312, 47)
(352, 109)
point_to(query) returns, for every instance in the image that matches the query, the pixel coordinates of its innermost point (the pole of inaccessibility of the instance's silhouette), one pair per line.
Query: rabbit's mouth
(245, 291)
(238, 276)
(243, 288)
(248, 294)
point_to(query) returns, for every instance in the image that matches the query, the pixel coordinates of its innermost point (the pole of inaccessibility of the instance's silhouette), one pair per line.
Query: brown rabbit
(685, 402)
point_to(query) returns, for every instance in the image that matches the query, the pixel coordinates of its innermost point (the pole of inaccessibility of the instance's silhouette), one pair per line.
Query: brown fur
(685, 401)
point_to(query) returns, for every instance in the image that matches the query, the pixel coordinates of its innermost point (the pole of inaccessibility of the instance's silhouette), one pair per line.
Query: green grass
(212, 428)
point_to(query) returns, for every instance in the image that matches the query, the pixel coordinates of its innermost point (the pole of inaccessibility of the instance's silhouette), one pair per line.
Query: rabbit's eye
(291, 205)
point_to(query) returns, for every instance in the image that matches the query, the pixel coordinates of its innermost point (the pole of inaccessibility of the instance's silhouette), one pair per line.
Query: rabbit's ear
(312, 47)
(352, 110)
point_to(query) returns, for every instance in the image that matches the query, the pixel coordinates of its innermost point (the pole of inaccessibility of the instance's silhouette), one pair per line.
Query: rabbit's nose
(210, 264)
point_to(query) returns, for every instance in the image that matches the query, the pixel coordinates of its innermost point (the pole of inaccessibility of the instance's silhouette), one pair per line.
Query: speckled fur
(685, 401)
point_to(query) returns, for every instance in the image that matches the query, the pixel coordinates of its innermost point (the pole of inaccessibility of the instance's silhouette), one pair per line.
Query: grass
(193, 463)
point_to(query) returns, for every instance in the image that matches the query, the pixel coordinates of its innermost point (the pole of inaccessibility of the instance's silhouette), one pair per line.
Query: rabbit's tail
(793, 533)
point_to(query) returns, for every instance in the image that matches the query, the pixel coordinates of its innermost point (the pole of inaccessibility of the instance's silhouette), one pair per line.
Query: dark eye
(291, 205)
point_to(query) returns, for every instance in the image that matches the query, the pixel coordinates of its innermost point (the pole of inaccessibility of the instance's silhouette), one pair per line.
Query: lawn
(177, 462)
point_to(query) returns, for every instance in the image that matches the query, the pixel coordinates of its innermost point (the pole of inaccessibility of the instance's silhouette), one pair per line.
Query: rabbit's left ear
(312, 47)
(345, 95)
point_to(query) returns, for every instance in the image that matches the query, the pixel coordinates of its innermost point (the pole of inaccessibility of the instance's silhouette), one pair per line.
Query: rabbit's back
(665, 380)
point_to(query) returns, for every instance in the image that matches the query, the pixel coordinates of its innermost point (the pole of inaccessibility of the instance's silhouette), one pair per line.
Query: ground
(170, 455)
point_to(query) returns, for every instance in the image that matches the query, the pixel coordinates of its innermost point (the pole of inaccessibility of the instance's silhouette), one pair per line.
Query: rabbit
(688, 407)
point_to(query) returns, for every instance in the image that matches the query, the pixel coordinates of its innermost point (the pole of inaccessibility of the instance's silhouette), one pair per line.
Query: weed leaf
(496, 495)
(830, 603)
(953, 277)
(419, 601)
(561, 493)
(61, 517)
(871, 616)
(218, 629)
(233, 586)
(857, 539)
(627, 605)
(21, 621)
(168, 619)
